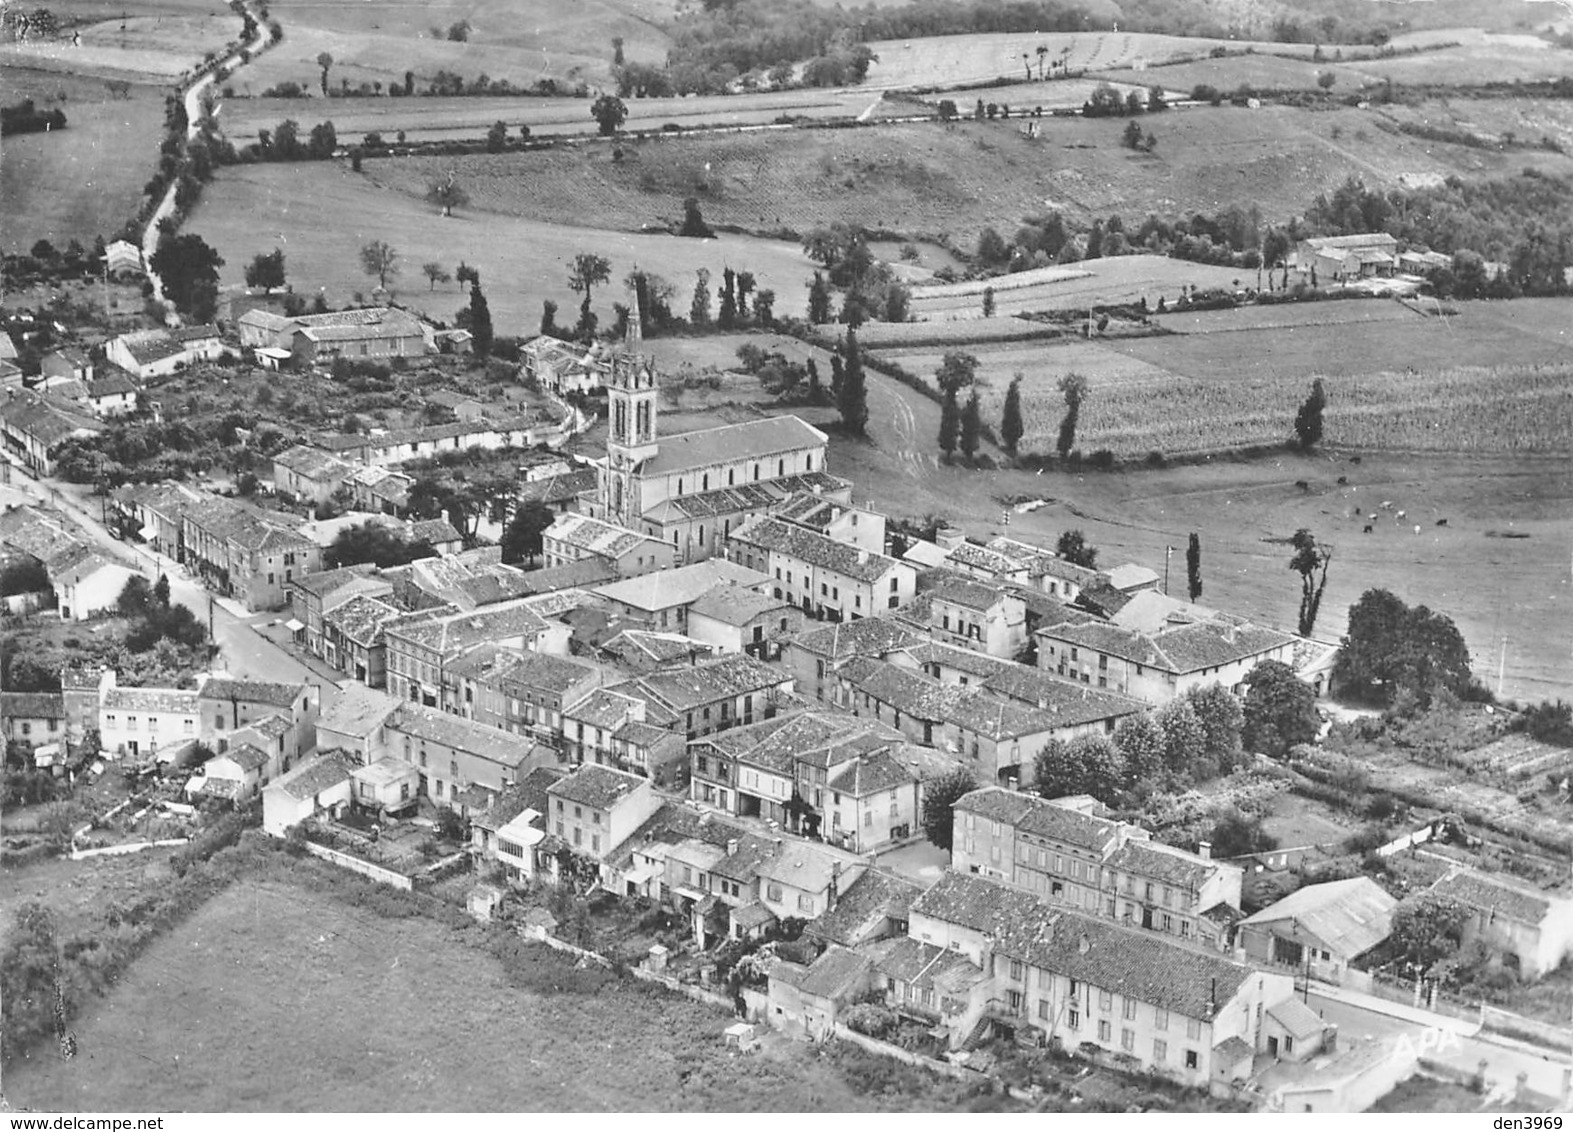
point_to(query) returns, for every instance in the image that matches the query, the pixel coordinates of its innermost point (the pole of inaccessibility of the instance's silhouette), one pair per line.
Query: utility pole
(1168, 553)
(1501, 668)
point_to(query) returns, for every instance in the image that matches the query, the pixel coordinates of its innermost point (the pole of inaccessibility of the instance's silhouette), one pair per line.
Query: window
(1015, 1001)
(1127, 1039)
(578, 836)
(1073, 1019)
(1015, 969)
(1129, 1012)
(1160, 1051)
(595, 817)
(1105, 1000)
(1160, 1018)
(1190, 1059)
(805, 903)
(1104, 1030)
(1193, 1029)
(595, 842)
(773, 891)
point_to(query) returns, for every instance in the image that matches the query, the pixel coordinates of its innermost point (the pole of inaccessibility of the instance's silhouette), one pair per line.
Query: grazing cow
(1354, 459)
(1402, 515)
(1373, 516)
(1387, 504)
(1441, 522)
(1417, 528)
(1368, 528)
(1343, 480)
(1302, 485)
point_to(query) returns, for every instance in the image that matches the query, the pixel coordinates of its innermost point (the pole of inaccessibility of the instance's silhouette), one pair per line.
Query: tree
(949, 424)
(852, 398)
(1132, 139)
(1073, 387)
(549, 319)
(480, 322)
(1326, 79)
(818, 300)
(1428, 929)
(521, 540)
(992, 248)
(609, 114)
(956, 371)
(1055, 772)
(1279, 710)
(497, 137)
(1011, 427)
(939, 803)
(988, 302)
(1139, 739)
(1308, 421)
(1392, 649)
(447, 194)
(971, 425)
(1184, 741)
(324, 60)
(161, 591)
(435, 274)
(699, 308)
(136, 597)
(588, 271)
(1310, 561)
(727, 318)
(323, 141)
(617, 51)
(693, 221)
(746, 285)
(373, 542)
(765, 307)
(1193, 566)
(1234, 835)
(1221, 718)
(189, 270)
(266, 270)
(1074, 548)
(378, 259)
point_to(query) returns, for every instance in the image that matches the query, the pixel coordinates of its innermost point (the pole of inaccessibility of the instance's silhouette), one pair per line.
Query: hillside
(938, 181)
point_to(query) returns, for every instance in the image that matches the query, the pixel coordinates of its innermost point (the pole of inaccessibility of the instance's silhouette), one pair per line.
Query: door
(1272, 1047)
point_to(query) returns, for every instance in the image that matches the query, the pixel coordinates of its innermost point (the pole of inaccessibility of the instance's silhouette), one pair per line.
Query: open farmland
(322, 214)
(1109, 281)
(518, 40)
(437, 119)
(966, 60)
(83, 181)
(928, 179)
(275, 998)
(148, 48)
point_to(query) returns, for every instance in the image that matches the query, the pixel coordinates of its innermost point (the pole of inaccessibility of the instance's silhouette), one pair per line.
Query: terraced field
(1095, 282)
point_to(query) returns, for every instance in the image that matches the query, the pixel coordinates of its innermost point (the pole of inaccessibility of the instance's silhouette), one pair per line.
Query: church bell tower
(631, 405)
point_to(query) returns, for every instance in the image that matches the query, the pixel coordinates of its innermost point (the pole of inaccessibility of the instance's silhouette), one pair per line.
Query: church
(693, 489)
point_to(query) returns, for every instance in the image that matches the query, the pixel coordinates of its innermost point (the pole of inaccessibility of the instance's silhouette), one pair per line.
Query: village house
(309, 475)
(1320, 930)
(386, 789)
(462, 764)
(355, 723)
(522, 691)
(617, 727)
(372, 332)
(877, 906)
(246, 553)
(154, 513)
(439, 534)
(736, 619)
(1529, 930)
(509, 830)
(419, 652)
(714, 696)
(237, 775)
(803, 879)
(1161, 666)
(382, 490)
(135, 722)
(559, 493)
(829, 579)
(230, 705)
(33, 426)
(122, 257)
(1071, 858)
(312, 594)
(1339, 259)
(262, 328)
(627, 553)
(563, 367)
(661, 600)
(67, 364)
(384, 447)
(112, 394)
(594, 809)
(1089, 984)
(975, 616)
(815, 655)
(322, 783)
(86, 582)
(148, 354)
(32, 718)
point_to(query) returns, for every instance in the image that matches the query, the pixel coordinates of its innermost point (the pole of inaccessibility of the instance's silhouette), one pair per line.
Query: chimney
(862, 556)
(1212, 1000)
(731, 847)
(1084, 945)
(1204, 850)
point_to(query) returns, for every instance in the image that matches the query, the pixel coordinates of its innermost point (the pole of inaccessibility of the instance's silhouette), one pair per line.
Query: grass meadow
(274, 997)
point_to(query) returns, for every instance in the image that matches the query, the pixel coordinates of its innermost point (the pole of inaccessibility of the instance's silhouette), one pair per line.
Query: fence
(130, 847)
(1512, 1025)
(874, 1045)
(358, 865)
(1431, 997)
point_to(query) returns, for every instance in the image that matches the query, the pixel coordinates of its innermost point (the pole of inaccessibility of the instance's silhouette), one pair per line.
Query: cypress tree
(1011, 427)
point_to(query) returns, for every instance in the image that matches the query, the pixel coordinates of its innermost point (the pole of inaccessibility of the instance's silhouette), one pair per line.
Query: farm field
(1285, 316)
(965, 60)
(926, 179)
(434, 119)
(148, 48)
(1095, 282)
(518, 40)
(335, 1009)
(321, 214)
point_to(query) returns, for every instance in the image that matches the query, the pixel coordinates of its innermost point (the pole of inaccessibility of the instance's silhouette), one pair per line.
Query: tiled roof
(313, 777)
(874, 895)
(981, 558)
(203, 333)
(1041, 562)
(312, 463)
(922, 964)
(251, 691)
(606, 708)
(968, 594)
(663, 648)
(264, 319)
(1187, 648)
(822, 551)
(681, 689)
(735, 605)
(972, 902)
(113, 382)
(32, 705)
(1358, 240)
(365, 619)
(150, 699)
(357, 710)
(45, 419)
(538, 672)
(434, 531)
(724, 444)
(478, 739)
(145, 350)
(1297, 1018)
(488, 589)
(835, 973)
(245, 756)
(667, 589)
(595, 536)
(554, 490)
(967, 706)
(870, 636)
(1488, 893)
(1162, 863)
(803, 865)
(353, 325)
(742, 498)
(456, 632)
(529, 793)
(599, 787)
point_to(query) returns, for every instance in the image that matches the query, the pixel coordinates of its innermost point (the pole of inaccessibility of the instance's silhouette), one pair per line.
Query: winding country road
(193, 99)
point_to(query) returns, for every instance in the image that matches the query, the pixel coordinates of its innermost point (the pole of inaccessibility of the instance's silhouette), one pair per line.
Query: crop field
(964, 60)
(322, 214)
(1097, 282)
(1527, 119)
(927, 179)
(83, 181)
(335, 1009)
(518, 40)
(148, 48)
(963, 333)
(1288, 316)
(437, 119)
